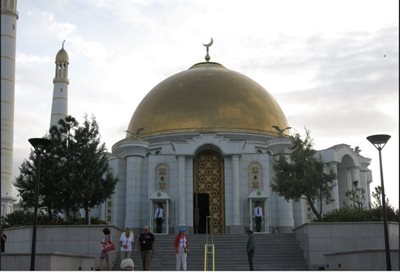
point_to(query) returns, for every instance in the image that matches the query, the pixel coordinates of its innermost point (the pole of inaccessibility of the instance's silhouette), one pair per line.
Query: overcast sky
(332, 65)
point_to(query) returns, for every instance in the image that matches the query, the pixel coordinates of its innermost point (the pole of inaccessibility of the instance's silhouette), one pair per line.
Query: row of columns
(352, 174)
(133, 190)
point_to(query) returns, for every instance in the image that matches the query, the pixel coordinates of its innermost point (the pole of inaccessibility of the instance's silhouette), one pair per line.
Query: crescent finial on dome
(63, 44)
(207, 47)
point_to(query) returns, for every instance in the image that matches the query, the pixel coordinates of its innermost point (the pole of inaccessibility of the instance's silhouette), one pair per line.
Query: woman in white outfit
(126, 241)
(181, 249)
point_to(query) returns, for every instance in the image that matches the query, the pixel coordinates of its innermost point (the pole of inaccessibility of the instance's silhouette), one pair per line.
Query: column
(236, 189)
(355, 175)
(181, 191)
(335, 188)
(364, 185)
(133, 191)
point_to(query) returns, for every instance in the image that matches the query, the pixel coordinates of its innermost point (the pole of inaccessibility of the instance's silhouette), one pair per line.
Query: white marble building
(9, 16)
(202, 143)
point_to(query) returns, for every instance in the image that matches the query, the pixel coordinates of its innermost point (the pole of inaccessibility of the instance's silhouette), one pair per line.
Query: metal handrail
(209, 248)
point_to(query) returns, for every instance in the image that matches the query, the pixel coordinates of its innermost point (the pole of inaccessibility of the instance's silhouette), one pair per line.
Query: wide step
(272, 252)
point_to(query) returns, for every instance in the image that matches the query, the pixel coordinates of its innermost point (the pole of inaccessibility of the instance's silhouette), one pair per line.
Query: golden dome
(62, 56)
(207, 98)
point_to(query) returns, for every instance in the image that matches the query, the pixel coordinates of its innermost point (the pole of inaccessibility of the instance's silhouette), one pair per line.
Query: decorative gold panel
(209, 179)
(162, 177)
(255, 176)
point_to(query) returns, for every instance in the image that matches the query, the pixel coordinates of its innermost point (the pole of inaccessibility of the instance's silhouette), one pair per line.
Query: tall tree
(74, 171)
(25, 183)
(302, 175)
(63, 157)
(95, 179)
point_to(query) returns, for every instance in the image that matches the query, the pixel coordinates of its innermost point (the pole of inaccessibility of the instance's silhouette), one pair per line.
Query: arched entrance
(345, 178)
(208, 198)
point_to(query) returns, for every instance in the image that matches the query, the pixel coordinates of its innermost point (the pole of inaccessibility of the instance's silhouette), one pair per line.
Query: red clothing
(178, 242)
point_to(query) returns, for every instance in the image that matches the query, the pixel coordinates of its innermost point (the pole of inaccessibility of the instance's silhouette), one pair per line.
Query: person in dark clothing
(3, 242)
(250, 249)
(145, 245)
(159, 216)
(258, 215)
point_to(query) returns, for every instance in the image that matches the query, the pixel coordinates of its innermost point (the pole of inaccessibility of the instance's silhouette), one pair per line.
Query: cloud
(30, 60)
(62, 29)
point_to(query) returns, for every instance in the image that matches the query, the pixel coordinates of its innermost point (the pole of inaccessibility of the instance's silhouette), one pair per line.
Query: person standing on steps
(145, 245)
(159, 217)
(181, 249)
(250, 249)
(258, 216)
(126, 241)
(3, 241)
(104, 257)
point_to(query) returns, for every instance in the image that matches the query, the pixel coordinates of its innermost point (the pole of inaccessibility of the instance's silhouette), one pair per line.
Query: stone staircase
(272, 252)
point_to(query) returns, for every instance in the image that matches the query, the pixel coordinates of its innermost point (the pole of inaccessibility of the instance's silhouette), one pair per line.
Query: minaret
(59, 108)
(9, 16)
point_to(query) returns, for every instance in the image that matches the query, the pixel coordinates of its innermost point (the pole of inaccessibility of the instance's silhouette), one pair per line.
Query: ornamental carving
(162, 178)
(209, 180)
(255, 176)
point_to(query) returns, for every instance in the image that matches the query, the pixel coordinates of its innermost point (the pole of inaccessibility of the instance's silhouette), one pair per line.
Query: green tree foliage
(351, 214)
(16, 219)
(25, 183)
(92, 172)
(377, 195)
(24, 218)
(74, 171)
(64, 158)
(357, 196)
(302, 175)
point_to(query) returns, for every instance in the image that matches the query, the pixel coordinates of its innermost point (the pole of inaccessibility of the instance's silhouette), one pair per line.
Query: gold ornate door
(209, 186)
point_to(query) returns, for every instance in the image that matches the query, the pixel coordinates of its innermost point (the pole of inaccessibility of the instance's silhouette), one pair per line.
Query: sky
(333, 66)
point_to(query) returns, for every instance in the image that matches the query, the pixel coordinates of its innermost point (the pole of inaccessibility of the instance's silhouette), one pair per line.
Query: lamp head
(39, 143)
(379, 140)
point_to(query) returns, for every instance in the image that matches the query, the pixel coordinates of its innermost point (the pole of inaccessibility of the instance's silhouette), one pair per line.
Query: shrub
(349, 214)
(16, 219)
(25, 218)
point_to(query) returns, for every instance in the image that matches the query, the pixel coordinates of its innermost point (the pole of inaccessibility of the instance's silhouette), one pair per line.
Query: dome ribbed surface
(62, 56)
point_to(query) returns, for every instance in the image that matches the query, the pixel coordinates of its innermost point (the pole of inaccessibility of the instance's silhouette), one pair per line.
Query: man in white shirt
(159, 216)
(258, 215)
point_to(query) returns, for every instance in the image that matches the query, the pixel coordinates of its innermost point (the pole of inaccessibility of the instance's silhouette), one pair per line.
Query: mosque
(201, 144)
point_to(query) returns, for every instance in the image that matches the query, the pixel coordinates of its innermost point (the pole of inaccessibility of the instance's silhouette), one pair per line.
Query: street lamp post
(39, 144)
(379, 141)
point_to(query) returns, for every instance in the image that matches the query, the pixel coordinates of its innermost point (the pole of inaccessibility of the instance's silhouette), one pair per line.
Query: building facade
(202, 145)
